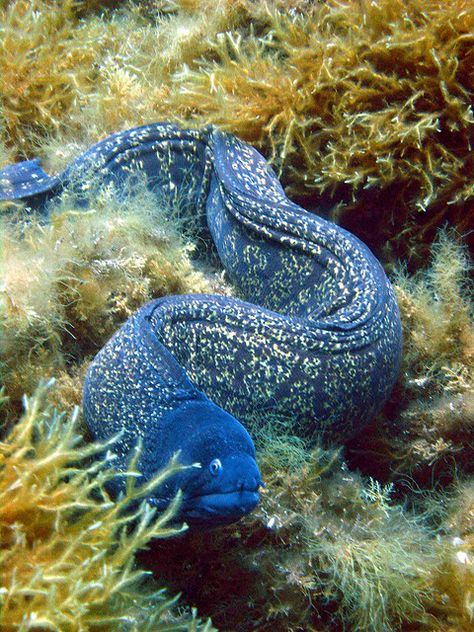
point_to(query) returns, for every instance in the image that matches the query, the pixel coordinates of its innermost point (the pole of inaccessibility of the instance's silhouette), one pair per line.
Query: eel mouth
(222, 508)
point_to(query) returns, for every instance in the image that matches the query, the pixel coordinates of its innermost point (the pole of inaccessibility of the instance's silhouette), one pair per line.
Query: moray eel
(314, 336)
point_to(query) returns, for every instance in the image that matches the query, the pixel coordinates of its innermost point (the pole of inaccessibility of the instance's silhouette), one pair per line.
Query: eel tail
(27, 181)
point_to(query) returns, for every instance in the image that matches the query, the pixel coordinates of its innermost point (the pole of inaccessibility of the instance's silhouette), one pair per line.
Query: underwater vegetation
(328, 550)
(427, 433)
(327, 547)
(66, 550)
(67, 285)
(368, 104)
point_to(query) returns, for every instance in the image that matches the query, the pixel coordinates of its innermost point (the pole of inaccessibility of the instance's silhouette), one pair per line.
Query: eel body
(314, 336)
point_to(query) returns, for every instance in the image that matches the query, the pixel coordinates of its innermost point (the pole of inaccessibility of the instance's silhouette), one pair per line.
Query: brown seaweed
(67, 550)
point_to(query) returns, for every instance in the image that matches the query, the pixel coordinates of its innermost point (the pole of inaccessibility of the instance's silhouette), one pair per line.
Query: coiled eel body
(315, 336)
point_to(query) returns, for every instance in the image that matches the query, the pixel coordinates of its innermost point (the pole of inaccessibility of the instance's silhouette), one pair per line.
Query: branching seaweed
(428, 431)
(67, 550)
(367, 103)
(69, 284)
(326, 548)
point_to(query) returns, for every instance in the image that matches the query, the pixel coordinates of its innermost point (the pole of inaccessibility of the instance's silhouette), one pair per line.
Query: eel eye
(215, 466)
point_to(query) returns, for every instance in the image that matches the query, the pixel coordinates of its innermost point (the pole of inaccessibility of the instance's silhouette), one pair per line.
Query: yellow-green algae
(367, 102)
(326, 545)
(427, 431)
(327, 550)
(68, 284)
(66, 550)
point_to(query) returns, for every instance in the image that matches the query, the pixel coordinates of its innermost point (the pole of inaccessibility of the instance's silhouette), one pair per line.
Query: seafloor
(364, 108)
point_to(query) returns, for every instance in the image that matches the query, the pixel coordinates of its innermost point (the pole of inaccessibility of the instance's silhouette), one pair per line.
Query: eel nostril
(252, 484)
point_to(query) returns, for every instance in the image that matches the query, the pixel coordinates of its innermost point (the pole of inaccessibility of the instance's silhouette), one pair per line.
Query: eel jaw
(219, 508)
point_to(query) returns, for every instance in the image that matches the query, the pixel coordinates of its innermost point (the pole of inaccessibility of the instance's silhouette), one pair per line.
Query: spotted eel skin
(315, 334)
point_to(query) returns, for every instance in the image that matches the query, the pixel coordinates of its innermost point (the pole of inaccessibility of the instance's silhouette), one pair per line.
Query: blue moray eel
(314, 334)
